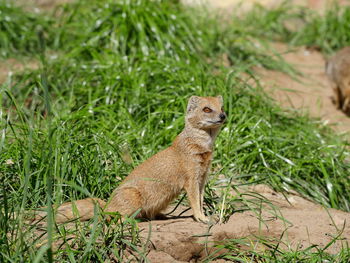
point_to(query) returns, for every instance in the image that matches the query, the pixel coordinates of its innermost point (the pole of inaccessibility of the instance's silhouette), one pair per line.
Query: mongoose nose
(222, 116)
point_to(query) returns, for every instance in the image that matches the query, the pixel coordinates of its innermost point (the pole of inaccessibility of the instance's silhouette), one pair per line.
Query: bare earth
(41, 5)
(231, 6)
(9, 66)
(304, 222)
(310, 93)
(289, 221)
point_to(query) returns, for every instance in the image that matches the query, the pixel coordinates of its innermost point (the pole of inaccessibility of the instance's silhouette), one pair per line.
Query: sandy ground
(300, 223)
(309, 93)
(9, 66)
(230, 6)
(40, 5)
(289, 221)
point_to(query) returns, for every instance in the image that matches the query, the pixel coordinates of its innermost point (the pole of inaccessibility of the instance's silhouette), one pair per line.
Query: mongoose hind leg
(125, 200)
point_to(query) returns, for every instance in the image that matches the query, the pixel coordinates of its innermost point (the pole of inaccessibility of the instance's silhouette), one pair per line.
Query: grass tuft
(20, 31)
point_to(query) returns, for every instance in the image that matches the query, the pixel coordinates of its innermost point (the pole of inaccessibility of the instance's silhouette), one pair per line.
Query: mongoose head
(205, 112)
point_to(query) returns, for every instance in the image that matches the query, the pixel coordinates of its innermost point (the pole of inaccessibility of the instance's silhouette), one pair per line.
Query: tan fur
(153, 184)
(82, 209)
(338, 71)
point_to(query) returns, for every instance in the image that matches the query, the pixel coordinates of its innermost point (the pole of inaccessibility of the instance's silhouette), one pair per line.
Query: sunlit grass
(20, 31)
(327, 32)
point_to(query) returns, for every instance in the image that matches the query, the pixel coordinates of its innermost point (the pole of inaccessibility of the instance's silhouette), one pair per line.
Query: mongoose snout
(222, 116)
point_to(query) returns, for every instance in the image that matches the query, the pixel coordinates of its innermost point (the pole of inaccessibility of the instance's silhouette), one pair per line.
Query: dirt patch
(41, 5)
(238, 6)
(290, 220)
(311, 92)
(10, 66)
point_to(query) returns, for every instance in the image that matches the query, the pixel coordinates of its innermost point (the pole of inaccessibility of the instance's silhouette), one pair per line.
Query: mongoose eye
(222, 109)
(207, 110)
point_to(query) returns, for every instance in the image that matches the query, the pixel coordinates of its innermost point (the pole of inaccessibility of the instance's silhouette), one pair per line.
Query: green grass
(327, 32)
(134, 30)
(274, 254)
(20, 31)
(119, 86)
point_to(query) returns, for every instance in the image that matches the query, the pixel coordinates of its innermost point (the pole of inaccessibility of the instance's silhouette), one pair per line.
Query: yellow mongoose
(338, 71)
(153, 184)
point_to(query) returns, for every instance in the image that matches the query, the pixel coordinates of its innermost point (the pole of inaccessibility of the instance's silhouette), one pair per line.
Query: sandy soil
(9, 66)
(231, 6)
(311, 92)
(300, 223)
(227, 6)
(40, 5)
(288, 220)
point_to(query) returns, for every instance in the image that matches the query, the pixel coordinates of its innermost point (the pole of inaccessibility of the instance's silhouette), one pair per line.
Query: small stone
(9, 162)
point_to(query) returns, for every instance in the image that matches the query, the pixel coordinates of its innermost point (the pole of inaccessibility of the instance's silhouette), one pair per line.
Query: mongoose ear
(192, 103)
(220, 99)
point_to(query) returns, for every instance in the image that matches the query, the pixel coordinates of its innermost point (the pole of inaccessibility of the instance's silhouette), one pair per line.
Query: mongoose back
(152, 185)
(338, 71)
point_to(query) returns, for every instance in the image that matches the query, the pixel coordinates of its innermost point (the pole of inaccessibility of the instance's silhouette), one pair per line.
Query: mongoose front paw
(202, 219)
